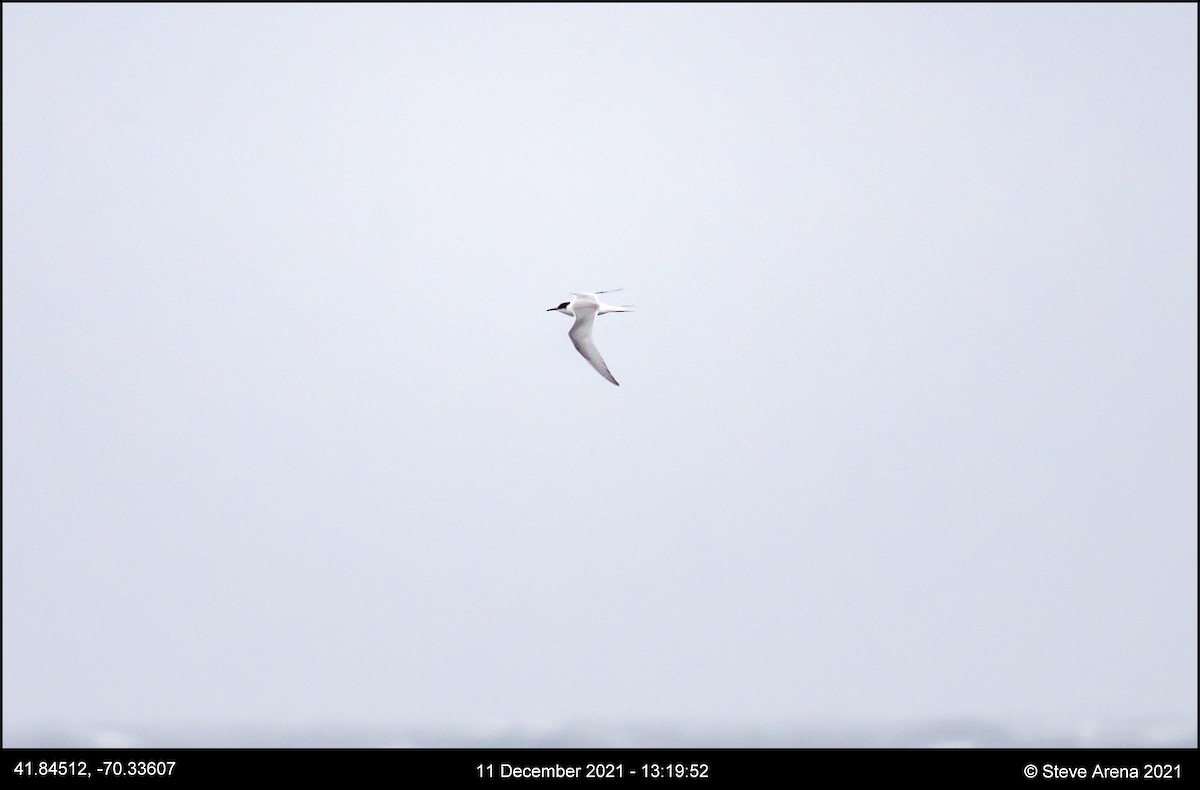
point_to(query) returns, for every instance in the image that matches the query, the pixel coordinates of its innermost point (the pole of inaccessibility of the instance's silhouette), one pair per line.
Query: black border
(712, 767)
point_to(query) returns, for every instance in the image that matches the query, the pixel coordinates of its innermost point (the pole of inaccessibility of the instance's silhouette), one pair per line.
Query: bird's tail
(612, 308)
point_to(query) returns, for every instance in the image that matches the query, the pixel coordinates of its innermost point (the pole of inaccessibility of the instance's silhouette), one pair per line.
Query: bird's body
(584, 307)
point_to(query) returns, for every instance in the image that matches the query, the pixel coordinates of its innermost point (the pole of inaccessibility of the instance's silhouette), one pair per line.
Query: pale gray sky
(907, 418)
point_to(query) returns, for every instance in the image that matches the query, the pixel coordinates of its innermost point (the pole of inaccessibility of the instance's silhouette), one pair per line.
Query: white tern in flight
(585, 307)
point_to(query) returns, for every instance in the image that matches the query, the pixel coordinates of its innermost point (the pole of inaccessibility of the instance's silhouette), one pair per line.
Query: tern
(584, 308)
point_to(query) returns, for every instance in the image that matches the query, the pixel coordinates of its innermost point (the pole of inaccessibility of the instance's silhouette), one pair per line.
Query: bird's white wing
(581, 336)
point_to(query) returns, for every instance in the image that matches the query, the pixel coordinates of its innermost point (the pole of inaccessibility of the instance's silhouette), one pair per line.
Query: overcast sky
(907, 418)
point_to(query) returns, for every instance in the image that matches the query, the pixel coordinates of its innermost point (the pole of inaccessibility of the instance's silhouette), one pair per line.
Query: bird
(584, 307)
